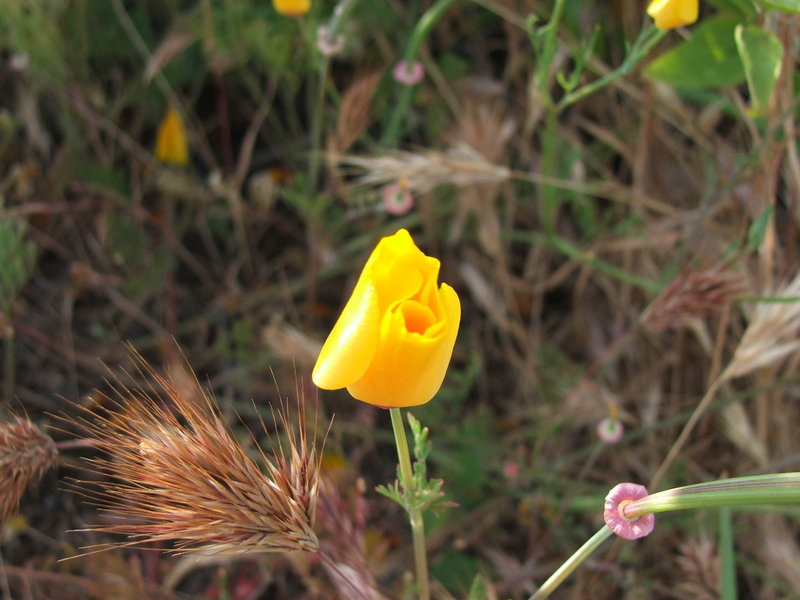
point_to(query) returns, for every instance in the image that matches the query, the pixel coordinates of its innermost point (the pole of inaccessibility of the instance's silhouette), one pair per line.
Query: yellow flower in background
(669, 14)
(292, 8)
(171, 145)
(395, 336)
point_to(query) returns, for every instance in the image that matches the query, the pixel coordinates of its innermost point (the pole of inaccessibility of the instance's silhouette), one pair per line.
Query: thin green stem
(340, 13)
(403, 455)
(561, 245)
(727, 555)
(677, 446)
(572, 563)
(414, 514)
(144, 52)
(423, 28)
(776, 488)
(549, 204)
(549, 46)
(316, 125)
(647, 40)
(421, 31)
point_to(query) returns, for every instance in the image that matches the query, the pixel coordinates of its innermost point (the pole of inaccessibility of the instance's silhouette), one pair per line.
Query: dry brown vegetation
(639, 291)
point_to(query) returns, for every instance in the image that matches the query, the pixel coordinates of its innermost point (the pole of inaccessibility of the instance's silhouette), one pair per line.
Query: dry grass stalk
(344, 554)
(425, 170)
(176, 475)
(354, 114)
(700, 567)
(25, 454)
(772, 333)
(778, 548)
(694, 294)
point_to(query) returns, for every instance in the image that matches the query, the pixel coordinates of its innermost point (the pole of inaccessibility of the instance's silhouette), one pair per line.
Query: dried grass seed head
(25, 454)
(425, 170)
(772, 333)
(694, 294)
(175, 474)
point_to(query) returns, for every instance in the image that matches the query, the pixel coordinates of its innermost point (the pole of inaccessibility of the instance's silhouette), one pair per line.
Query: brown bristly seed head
(174, 474)
(25, 454)
(694, 294)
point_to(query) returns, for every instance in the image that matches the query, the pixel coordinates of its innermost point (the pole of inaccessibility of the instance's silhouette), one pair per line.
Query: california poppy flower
(292, 8)
(669, 14)
(393, 341)
(171, 145)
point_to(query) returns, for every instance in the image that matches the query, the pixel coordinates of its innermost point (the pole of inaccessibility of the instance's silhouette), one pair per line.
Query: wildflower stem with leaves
(409, 488)
(414, 491)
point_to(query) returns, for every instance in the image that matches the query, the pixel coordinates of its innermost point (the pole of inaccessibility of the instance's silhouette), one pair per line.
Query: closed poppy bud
(669, 14)
(395, 336)
(171, 145)
(292, 8)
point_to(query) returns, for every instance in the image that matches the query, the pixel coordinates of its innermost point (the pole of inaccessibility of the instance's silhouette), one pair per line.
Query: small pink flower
(397, 199)
(408, 74)
(610, 430)
(326, 45)
(614, 512)
(511, 471)
(19, 61)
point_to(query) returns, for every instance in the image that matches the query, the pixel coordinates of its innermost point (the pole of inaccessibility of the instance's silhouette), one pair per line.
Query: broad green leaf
(707, 59)
(787, 6)
(761, 53)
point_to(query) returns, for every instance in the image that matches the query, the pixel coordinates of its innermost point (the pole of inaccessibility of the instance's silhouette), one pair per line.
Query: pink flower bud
(397, 199)
(610, 430)
(326, 45)
(408, 74)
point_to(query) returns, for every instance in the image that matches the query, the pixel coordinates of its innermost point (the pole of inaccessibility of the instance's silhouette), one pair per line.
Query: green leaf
(758, 230)
(480, 589)
(787, 6)
(761, 53)
(17, 258)
(456, 570)
(708, 59)
(727, 555)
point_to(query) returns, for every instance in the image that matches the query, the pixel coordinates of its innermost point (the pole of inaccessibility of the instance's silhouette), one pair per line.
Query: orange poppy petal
(409, 366)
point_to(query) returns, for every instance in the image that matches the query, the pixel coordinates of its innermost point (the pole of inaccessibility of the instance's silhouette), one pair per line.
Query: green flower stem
(780, 488)
(775, 488)
(549, 138)
(421, 31)
(648, 38)
(341, 11)
(423, 28)
(572, 563)
(318, 104)
(415, 514)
